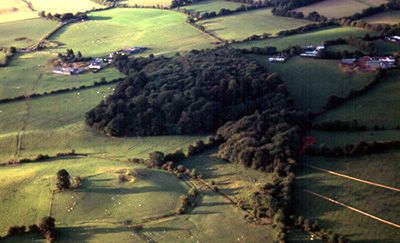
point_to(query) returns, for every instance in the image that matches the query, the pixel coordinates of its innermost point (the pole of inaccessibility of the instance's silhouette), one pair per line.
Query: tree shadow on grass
(100, 18)
(84, 233)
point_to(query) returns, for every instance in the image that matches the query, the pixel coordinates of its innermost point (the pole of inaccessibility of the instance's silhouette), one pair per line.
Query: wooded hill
(197, 94)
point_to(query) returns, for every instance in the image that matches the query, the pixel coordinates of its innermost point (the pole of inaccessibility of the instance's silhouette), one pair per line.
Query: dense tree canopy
(196, 93)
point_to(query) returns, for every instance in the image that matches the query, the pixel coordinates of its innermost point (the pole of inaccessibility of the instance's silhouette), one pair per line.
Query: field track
(353, 209)
(354, 179)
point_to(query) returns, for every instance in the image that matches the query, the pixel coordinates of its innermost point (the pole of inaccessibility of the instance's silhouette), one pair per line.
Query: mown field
(378, 107)
(59, 6)
(164, 3)
(391, 17)
(212, 5)
(161, 31)
(317, 37)
(340, 8)
(242, 25)
(32, 73)
(13, 10)
(312, 81)
(382, 203)
(24, 33)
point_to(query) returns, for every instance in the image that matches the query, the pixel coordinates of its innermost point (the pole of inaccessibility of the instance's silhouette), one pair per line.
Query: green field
(57, 121)
(312, 81)
(212, 5)
(115, 202)
(24, 33)
(310, 38)
(355, 226)
(13, 10)
(341, 48)
(164, 3)
(32, 73)
(242, 25)
(108, 31)
(382, 203)
(2, 57)
(340, 8)
(232, 179)
(386, 48)
(377, 107)
(391, 17)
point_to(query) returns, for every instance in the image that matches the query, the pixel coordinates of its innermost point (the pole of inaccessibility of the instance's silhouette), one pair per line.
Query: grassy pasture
(312, 81)
(340, 48)
(164, 3)
(386, 47)
(381, 203)
(232, 179)
(108, 31)
(59, 6)
(391, 17)
(2, 57)
(379, 168)
(213, 220)
(212, 5)
(58, 122)
(242, 25)
(310, 38)
(377, 107)
(115, 202)
(340, 8)
(13, 10)
(32, 72)
(24, 33)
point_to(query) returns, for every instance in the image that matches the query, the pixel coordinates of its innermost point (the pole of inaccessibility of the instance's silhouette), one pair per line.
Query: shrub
(156, 158)
(63, 180)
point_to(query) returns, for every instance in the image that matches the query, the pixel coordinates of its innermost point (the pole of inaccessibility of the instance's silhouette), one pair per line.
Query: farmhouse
(67, 70)
(348, 61)
(394, 38)
(129, 51)
(312, 51)
(278, 58)
(97, 64)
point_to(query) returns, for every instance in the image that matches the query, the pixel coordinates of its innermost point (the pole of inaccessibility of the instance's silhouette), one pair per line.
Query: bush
(63, 180)
(176, 156)
(156, 158)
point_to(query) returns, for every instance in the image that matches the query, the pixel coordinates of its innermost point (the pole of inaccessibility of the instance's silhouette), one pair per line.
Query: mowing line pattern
(352, 208)
(354, 179)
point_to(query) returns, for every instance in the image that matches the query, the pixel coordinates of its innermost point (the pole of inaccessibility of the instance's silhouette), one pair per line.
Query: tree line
(359, 149)
(63, 17)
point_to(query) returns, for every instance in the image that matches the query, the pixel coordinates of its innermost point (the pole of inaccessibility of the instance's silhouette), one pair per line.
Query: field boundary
(353, 178)
(352, 208)
(58, 91)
